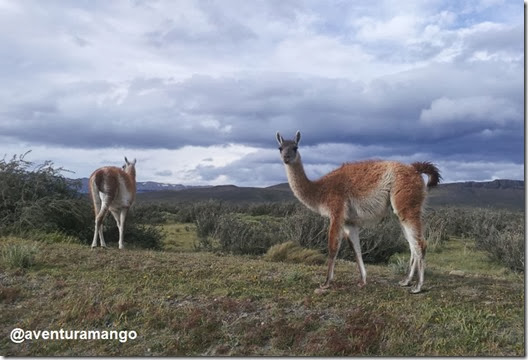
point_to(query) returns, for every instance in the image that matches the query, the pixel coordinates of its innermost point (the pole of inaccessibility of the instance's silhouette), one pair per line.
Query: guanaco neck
(304, 189)
(132, 177)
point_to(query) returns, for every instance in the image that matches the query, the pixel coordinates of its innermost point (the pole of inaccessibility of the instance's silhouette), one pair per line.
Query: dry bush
(238, 233)
(506, 246)
(305, 228)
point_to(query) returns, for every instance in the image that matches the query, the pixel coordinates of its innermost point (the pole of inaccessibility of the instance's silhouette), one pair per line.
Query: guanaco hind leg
(352, 233)
(417, 246)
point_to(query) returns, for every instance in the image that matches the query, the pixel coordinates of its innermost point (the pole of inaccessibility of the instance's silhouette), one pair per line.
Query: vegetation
(293, 253)
(38, 202)
(18, 256)
(38, 197)
(232, 229)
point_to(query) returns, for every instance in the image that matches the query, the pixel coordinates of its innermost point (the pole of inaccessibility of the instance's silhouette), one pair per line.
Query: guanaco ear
(134, 162)
(279, 138)
(126, 161)
(297, 137)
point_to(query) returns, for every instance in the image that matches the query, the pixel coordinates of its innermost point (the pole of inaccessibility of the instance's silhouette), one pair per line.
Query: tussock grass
(18, 255)
(399, 264)
(293, 253)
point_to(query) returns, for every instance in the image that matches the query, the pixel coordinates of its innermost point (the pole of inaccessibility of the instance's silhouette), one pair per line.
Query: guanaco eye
(280, 148)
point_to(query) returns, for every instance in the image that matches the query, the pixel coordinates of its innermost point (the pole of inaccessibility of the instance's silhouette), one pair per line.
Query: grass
(198, 303)
(179, 237)
(463, 256)
(291, 252)
(18, 256)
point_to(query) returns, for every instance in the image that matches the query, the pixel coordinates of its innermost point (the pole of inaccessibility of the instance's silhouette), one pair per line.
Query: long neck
(304, 189)
(132, 180)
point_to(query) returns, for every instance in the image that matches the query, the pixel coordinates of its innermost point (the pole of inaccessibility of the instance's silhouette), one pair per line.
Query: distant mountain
(507, 194)
(146, 186)
(230, 193)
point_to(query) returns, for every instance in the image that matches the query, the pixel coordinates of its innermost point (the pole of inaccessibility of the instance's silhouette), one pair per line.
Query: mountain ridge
(503, 193)
(500, 193)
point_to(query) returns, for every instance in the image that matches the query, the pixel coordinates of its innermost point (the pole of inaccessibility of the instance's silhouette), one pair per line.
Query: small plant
(291, 252)
(18, 255)
(399, 264)
(435, 232)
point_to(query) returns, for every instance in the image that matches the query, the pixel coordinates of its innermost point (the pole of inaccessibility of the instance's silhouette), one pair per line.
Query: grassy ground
(179, 237)
(186, 303)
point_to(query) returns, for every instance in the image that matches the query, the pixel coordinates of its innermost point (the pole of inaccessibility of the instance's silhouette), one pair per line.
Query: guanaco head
(288, 148)
(130, 167)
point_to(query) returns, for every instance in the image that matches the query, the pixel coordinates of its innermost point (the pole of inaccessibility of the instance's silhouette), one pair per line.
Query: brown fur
(362, 191)
(428, 168)
(109, 176)
(110, 181)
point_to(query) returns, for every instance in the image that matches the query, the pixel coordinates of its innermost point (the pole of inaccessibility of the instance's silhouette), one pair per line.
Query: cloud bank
(160, 80)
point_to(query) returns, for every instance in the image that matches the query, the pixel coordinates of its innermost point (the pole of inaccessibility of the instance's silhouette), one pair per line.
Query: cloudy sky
(195, 90)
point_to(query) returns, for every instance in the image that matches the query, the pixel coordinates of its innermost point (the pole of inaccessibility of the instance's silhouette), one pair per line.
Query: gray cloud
(164, 173)
(441, 80)
(205, 111)
(266, 168)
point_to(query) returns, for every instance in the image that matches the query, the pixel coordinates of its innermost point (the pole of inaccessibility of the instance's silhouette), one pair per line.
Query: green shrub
(241, 234)
(220, 227)
(206, 218)
(380, 241)
(310, 230)
(37, 200)
(306, 228)
(136, 235)
(506, 246)
(27, 190)
(39, 197)
(435, 230)
(151, 213)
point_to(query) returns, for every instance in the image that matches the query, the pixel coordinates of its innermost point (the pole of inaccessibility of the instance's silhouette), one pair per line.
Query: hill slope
(230, 193)
(508, 194)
